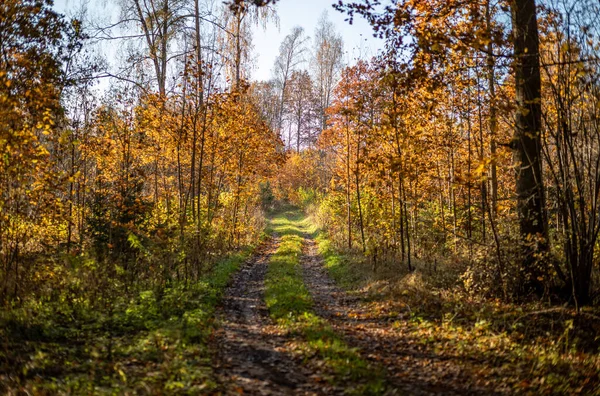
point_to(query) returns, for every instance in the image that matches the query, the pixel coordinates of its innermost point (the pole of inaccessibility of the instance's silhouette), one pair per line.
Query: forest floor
(295, 316)
(289, 328)
(319, 338)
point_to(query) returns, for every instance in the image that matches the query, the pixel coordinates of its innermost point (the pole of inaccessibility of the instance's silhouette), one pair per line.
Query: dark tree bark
(527, 142)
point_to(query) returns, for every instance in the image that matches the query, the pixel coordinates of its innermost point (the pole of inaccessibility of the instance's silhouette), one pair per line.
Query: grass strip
(290, 304)
(338, 266)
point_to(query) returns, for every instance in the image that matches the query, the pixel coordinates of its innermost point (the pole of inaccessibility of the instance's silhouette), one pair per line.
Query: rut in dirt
(251, 354)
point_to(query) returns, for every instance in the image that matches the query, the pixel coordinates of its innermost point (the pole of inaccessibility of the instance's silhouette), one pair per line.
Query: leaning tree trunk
(527, 143)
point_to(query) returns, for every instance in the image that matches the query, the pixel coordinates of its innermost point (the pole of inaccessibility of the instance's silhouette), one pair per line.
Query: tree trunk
(493, 118)
(527, 142)
(349, 209)
(358, 202)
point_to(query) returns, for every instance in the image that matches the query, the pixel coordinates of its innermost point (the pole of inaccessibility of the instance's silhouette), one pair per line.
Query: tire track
(251, 354)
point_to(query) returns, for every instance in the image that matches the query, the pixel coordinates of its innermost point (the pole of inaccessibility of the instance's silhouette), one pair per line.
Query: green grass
(290, 304)
(156, 342)
(337, 265)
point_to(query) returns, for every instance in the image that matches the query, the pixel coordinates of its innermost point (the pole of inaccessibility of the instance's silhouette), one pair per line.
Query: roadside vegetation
(532, 347)
(157, 341)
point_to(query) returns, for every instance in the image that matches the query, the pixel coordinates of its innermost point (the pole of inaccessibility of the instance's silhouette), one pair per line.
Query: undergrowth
(518, 347)
(155, 342)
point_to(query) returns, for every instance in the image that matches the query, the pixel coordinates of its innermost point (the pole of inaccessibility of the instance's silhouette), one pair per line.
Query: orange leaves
(301, 172)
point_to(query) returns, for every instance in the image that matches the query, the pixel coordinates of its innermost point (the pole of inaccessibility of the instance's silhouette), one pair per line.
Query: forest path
(251, 353)
(373, 336)
(326, 341)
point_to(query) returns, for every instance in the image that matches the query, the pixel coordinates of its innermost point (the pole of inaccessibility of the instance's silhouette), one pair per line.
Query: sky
(358, 38)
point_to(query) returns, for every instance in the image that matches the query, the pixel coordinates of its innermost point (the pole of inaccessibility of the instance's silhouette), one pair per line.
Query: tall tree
(238, 37)
(291, 55)
(527, 141)
(327, 56)
(159, 21)
(301, 108)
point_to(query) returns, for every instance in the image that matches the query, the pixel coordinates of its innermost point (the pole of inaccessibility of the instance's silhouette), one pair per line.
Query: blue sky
(358, 38)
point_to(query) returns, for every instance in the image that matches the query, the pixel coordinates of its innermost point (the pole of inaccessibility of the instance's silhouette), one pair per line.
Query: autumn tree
(439, 30)
(354, 118)
(34, 40)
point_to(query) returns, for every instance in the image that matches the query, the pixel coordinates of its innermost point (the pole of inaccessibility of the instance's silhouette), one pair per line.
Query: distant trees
(306, 93)
(301, 106)
(267, 98)
(291, 55)
(327, 64)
